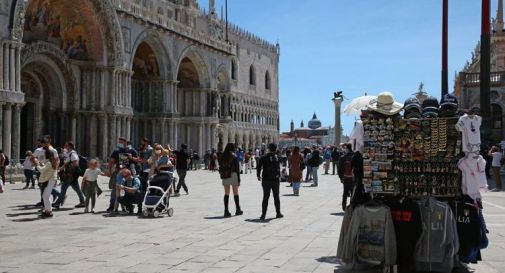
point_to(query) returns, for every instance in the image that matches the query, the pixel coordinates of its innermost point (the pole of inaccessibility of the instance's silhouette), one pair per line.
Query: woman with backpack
(229, 171)
(296, 166)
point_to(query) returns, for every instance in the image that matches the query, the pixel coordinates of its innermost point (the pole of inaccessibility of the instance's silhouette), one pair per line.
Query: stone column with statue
(337, 100)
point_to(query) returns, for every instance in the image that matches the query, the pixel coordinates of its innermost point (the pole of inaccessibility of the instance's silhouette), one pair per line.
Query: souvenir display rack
(412, 157)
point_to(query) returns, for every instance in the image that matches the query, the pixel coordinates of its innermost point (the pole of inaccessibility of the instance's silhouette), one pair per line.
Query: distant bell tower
(292, 126)
(499, 18)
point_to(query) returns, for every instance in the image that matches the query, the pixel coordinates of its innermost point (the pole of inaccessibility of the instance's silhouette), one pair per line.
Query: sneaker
(227, 214)
(262, 217)
(80, 205)
(279, 215)
(46, 214)
(56, 206)
(110, 209)
(313, 185)
(187, 192)
(26, 187)
(93, 211)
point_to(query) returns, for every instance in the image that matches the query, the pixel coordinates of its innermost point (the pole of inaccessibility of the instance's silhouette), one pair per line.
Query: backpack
(348, 174)
(271, 168)
(247, 157)
(315, 161)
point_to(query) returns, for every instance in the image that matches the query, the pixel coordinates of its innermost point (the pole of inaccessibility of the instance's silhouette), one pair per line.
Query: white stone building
(93, 70)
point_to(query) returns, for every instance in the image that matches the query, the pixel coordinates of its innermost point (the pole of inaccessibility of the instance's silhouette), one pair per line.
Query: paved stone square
(197, 238)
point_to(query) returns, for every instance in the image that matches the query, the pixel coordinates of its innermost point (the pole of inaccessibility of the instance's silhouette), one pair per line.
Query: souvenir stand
(418, 157)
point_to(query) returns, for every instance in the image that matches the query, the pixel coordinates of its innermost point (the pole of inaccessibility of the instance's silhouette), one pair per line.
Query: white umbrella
(358, 104)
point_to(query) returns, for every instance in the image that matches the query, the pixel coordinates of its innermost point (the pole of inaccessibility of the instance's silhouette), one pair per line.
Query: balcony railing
(473, 79)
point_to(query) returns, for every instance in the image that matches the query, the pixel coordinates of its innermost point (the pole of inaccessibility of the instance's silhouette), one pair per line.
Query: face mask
(119, 145)
(158, 152)
(65, 151)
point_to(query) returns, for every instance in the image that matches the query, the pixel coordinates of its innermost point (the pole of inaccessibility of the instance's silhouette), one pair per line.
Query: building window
(267, 81)
(233, 70)
(496, 114)
(252, 75)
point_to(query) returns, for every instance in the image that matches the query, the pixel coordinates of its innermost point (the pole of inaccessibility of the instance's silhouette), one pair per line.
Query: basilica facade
(91, 71)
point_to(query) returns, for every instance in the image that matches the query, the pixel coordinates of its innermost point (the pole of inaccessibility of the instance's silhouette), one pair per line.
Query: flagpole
(226, 7)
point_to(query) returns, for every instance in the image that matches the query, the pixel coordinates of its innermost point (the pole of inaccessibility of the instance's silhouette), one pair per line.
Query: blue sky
(357, 46)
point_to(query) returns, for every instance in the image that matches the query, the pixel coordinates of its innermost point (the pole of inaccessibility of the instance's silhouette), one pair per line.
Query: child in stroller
(156, 200)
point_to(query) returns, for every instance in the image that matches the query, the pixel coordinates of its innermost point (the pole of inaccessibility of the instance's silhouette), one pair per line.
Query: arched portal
(189, 84)
(46, 108)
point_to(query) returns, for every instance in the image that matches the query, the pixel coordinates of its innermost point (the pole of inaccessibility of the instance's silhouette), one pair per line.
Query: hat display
(448, 106)
(430, 112)
(431, 102)
(385, 104)
(412, 109)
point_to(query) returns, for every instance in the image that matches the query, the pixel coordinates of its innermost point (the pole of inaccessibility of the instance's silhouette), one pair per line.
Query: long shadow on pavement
(214, 217)
(337, 214)
(259, 221)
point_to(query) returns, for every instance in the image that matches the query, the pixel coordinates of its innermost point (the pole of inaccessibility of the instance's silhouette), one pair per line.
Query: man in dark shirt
(181, 165)
(335, 156)
(270, 179)
(123, 157)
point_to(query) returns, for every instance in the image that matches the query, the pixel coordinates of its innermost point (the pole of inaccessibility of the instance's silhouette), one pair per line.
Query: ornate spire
(212, 7)
(499, 17)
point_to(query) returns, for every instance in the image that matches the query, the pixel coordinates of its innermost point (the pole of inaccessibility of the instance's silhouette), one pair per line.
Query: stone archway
(49, 100)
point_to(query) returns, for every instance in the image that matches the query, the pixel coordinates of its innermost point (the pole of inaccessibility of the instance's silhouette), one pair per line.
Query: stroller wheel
(156, 213)
(145, 213)
(170, 212)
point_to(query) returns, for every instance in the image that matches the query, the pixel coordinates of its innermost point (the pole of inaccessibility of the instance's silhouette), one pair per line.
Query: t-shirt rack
(412, 168)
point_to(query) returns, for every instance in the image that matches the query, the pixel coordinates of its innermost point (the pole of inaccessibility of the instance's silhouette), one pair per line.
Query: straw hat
(385, 104)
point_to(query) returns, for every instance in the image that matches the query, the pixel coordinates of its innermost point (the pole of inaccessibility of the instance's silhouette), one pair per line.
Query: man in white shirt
(71, 173)
(45, 143)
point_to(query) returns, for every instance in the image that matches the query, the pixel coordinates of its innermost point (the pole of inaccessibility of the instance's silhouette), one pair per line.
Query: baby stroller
(156, 200)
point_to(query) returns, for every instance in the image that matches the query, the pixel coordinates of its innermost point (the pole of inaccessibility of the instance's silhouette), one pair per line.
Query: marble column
(6, 69)
(200, 139)
(16, 131)
(338, 131)
(129, 128)
(93, 132)
(118, 127)
(102, 136)
(2, 69)
(12, 66)
(112, 131)
(7, 125)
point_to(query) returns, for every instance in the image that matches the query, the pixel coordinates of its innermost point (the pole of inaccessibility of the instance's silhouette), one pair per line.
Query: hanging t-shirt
(356, 137)
(408, 227)
(474, 175)
(469, 126)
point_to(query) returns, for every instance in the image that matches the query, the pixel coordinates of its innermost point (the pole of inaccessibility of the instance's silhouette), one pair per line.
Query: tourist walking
(70, 175)
(268, 171)
(497, 155)
(181, 165)
(213, 161)
(123, 157)
(240, 156)
(346, 174)
(327, 159)
(90, 184)
(335, 156)
(295, 162)
(229, 171)
(247, 162)
(307, 154)
(314, 161)
(47, 181)
(4, 162)
(29, 169)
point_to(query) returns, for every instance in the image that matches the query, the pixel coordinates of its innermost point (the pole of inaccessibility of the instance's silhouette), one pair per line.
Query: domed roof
(314, 123)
